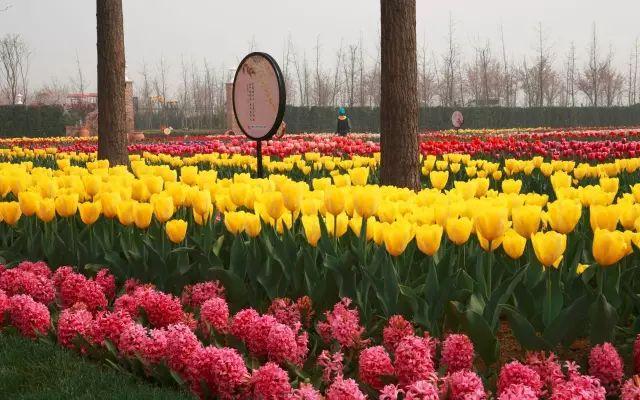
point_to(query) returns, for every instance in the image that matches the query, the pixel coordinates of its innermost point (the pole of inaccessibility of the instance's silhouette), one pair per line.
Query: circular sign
(457, 119)
(259, 96)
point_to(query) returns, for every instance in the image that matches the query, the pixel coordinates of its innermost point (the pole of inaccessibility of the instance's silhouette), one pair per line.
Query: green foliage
(366, 119)
(35, 370)
(33, 121)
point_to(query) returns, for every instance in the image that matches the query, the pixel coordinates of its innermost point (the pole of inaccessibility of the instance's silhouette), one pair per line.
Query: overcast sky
(222, 31)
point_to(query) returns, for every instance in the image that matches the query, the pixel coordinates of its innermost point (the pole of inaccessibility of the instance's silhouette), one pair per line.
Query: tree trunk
(112, 132)
(400, 160)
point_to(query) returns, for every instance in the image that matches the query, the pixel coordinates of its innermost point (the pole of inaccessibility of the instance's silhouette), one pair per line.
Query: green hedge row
(365, 119)
(37, 121)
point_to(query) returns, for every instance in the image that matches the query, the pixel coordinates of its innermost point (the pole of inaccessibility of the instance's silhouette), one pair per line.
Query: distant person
(344, 126)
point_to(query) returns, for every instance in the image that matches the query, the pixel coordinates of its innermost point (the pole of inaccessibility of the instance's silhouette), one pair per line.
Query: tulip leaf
(554, 299)
(235, 287)
(560, 326)
(524, 332)
(238, 258)
(499, 297)
(603, 318)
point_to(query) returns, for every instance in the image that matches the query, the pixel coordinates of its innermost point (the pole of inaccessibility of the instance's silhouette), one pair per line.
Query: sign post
(259, 99)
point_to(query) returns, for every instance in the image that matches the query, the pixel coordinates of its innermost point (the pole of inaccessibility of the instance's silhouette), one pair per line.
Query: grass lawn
(34, 371)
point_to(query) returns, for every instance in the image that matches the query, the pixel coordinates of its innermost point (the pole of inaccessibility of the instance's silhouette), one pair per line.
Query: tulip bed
(506, 232)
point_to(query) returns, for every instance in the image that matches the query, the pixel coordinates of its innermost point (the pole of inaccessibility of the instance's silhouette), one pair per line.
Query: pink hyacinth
(548, 369)
(182, 343)
(155, 350)
(270, 382)
(283, 345)
(22, 281)
(109, 326)
(4, 305)
(518, 392)
(133, 340)
(396, 329)
(76, 288)
(214, 313)
(74, 322)
(331, 364)
(39, 268)
(130, 285)
(579, 387)
(464, 385)
(29, 316)
(390, 392)
(242, 322)
(258, 335)
(422, 390)
(306, 391)
(60, 275)
(160, 309)
(515, 373)
(285, 311)
(195, 295)
(343, 325)
(373, 364)
(413, 360)
(107, 282)
(631, 389)
(606, 365)
(457, 353)
(344, 389)
(223, 371)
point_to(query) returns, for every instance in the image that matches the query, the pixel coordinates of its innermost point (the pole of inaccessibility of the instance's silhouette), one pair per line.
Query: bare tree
(589, 82)
(350, 72)
(450, 61)
(426, 80)
(145, 95)
(52, 93)
(112, 134)
(14, 61)
(400, 162)
(79, 82)
(4, 6)
(570, 84)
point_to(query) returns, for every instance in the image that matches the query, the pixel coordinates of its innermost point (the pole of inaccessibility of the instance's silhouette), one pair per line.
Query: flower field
(316, 280)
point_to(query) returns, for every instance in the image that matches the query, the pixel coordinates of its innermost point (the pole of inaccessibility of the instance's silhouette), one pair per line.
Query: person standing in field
(344, 126)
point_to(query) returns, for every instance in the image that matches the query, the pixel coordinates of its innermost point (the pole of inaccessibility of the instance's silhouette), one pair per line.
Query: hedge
(365, 119)
(37, 121)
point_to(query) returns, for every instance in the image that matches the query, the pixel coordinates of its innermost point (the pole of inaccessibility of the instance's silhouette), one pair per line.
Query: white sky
(222, 30)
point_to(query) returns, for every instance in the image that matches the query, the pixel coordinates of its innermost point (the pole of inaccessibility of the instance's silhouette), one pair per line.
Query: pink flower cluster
(154, 327)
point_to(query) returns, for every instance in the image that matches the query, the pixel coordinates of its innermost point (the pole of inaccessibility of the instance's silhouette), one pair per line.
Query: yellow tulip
(292, 193)
(341, 222)
(366, 202)
(178, 192)
(496, 175)
(238, 193)
(189, 175)
(603, 217)
(513, 244)
(29, 202)
(492, 222)
(163, 207)
(510, 186)
(428, 238)
(90, 212)
(109, 202)
(526, 220)
(439, 179)
(139, 191)
(549, 247)
(176, 230)
(154, 183)
(334, 200)
(92, 184)
(234, 221)
(321, 183)
(252, 225)
(201, 201)
(397, 237)
(309, 206)
(560, 180)
(142, 214)
(459, 229)
(629, 213)
(11, 212)
(610, 185)
(126, 212)
(455, 167)
(67, 205)
(609, 247)
(46, 210)
(564, 215)
(274, 203)
(581, 268)
(311, 226)
(359, 176)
